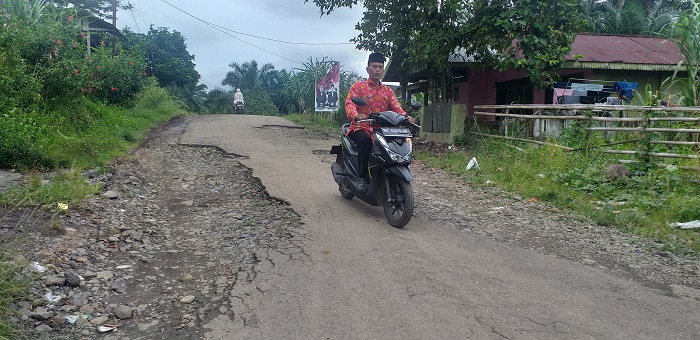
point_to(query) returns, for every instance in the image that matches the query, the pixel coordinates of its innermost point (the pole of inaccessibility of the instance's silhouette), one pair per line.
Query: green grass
(110, 131)
(67, 187)
(317, 123)
(643, 204)
(13, 286)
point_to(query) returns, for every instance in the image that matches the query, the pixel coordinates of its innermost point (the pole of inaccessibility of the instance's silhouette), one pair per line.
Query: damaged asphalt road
(231, 227)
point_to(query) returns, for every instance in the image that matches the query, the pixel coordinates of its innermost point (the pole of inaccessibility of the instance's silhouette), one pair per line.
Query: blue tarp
(625, 89)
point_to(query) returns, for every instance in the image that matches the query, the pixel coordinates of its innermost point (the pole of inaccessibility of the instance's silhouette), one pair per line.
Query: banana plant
(688, 40)
(27, 10)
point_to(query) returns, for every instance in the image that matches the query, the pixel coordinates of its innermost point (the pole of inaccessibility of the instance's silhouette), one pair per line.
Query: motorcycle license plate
(396, 132)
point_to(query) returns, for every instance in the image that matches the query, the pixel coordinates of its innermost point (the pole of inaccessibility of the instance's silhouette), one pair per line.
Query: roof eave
(620, 66)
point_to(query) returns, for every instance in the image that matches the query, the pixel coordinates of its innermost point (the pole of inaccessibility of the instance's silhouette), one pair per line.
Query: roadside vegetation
(590, 183)
(63, 111)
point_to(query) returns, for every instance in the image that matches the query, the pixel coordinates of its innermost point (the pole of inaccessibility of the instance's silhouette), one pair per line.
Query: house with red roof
(597, 68)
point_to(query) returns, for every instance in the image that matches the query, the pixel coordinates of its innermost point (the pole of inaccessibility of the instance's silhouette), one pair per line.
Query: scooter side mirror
(416, 105)
(359, 101)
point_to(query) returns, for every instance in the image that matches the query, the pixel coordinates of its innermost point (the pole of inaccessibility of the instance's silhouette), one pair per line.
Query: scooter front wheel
(398, 206)
(348, 195)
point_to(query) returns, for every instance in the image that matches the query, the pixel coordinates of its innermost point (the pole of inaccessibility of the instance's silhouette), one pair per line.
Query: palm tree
(632, 17)
(217, 101)
(193, 96)
(247, 76)
(273, 83)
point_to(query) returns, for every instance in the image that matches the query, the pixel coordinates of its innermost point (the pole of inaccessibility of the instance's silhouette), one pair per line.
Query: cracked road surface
(358, 278)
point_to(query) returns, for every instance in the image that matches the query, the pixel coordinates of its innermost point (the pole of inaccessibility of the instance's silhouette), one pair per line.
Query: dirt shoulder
(133, 266)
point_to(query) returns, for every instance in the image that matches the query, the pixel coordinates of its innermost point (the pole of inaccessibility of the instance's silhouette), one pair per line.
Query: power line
(131, 9)
(140, 9)
(212, 85)
(155, 17)
(229, 34)
(256, 36)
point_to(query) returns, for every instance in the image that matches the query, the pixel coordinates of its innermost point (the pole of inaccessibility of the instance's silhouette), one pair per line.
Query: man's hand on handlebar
(361, 116)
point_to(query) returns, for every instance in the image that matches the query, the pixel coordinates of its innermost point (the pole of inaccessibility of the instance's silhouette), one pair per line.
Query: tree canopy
(101, 8)
(531, 35)
(167, 57)
(248, 75)
(634, 17)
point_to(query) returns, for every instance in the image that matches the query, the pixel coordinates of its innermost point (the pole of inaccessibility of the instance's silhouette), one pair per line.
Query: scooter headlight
(382, 141)
(398, 158)
(395, 156)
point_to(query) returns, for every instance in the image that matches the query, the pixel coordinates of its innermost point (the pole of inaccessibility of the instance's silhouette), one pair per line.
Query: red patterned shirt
(379, 98)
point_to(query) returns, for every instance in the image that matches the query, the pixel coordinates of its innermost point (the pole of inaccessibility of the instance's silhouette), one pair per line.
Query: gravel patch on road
(178, 226)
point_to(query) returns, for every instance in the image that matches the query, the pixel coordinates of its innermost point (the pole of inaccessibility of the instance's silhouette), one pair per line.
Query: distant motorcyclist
(238, 97)
(380, 98)
(238, 102)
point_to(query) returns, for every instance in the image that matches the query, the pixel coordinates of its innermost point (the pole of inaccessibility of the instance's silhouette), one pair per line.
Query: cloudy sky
(234, 21)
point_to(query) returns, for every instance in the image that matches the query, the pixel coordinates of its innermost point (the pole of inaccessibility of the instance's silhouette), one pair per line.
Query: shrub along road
(231, 227)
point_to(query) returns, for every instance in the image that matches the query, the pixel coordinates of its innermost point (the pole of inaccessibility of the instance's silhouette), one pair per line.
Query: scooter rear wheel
(348, 195)
(398, 207)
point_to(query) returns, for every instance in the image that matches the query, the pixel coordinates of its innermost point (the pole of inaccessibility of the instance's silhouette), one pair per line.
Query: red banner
(327, 90)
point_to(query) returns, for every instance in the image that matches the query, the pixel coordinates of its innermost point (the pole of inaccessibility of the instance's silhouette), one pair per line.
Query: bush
(22, 140)
(259, 103)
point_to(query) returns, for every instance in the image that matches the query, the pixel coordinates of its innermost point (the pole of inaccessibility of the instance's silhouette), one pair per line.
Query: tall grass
(318, 123)
(13, 286)
(97, 132)
(643, 203)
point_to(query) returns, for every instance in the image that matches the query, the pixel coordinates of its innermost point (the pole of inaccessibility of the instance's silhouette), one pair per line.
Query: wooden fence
(645, 127)
(437, 117)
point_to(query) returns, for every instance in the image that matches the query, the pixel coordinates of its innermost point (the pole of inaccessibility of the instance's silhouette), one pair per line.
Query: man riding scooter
(379, 97)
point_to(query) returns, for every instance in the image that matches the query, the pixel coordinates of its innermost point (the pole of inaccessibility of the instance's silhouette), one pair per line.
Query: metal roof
(620, 49)
(96, 24)
(598, 51)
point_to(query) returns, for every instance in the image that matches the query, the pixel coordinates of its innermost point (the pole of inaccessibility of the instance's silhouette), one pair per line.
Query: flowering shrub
(115, 79)
(45, 76)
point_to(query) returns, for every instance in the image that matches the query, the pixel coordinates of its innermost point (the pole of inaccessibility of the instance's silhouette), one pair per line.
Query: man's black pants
(363, 141)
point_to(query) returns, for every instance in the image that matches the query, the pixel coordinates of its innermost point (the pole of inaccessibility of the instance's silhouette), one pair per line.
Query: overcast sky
(283, 20)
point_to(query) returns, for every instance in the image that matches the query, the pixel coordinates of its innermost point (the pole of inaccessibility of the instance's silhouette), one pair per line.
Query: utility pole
(114, 23)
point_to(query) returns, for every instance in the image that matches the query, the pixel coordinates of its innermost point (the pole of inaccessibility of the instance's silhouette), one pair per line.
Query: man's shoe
(362, 184)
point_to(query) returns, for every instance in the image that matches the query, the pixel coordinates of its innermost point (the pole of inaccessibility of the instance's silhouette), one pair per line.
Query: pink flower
(76, 71)
(59, 41)
(70, 18)
(131, 63)
(115, 89)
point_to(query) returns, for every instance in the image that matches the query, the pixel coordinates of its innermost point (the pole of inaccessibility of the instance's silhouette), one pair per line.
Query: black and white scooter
(390, 178)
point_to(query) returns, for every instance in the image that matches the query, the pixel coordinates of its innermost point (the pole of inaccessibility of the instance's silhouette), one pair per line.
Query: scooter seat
(344, 129)
(352, 147)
